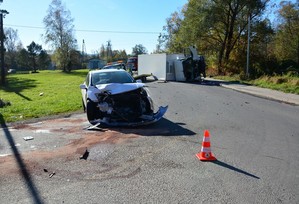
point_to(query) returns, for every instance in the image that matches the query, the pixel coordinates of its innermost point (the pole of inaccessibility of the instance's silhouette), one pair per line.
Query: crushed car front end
(121, 105)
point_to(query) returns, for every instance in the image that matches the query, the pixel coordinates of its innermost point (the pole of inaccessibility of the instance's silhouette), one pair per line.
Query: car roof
(107, 70)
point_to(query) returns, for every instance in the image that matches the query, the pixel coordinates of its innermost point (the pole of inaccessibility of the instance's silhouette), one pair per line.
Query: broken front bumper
(156, 117)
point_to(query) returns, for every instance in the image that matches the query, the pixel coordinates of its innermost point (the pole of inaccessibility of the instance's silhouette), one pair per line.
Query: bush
(288, 66)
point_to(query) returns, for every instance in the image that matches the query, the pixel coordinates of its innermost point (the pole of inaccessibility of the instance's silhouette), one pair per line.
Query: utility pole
(2, 15)
(248, 45)
(83, 50)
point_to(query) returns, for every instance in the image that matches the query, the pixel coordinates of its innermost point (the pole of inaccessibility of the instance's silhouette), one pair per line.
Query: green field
(41, 94)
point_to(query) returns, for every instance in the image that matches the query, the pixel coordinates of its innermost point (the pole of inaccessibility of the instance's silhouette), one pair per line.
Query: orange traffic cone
(206, 154)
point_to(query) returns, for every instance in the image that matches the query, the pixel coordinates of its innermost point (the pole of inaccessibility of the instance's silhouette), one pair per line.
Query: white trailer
(162, 66)
(172, 67)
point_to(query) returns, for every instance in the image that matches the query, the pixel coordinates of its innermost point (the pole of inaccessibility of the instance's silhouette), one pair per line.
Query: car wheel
(91, 110)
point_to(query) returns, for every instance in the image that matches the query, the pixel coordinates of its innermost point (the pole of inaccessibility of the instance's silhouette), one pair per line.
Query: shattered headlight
(104, 107)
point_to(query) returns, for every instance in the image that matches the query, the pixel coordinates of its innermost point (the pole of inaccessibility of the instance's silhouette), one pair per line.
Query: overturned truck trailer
(162, 66)
(172, 67)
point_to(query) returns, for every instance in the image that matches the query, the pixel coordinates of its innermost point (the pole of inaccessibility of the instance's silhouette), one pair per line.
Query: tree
(214, 26)
(172, 27)
(102, 54)
(11, 43)
(75, 62)
(287, 37)
(139, 49)
(22, 59)
(106, 52)
(119, 55)
(33, 51)
(261, 57)
(60, 33)
(110, 55)
(43, 60)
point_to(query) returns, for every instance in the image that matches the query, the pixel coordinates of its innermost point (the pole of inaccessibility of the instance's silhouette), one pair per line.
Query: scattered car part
(85, 155)
(51, 174)
(28, 138)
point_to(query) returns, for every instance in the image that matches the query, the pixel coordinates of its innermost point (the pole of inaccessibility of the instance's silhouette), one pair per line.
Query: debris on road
(28, 138)
(51, 174)
(85, 155)
(95, 127)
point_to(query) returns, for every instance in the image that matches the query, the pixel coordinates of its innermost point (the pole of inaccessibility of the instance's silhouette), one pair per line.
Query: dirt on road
(66, 128)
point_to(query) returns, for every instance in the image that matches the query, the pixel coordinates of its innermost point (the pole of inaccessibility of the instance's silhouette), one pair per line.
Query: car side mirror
(138, 81)
(83, 86)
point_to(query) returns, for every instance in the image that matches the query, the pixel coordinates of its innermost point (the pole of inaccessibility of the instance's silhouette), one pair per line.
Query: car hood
(117, 88)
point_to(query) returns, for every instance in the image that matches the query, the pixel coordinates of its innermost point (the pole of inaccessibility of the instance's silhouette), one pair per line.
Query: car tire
(91, 111)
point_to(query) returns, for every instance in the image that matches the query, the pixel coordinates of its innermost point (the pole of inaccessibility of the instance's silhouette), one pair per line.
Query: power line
(91, 31)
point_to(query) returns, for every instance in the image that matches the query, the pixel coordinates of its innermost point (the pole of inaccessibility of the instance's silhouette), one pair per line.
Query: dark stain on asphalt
(35, 160)
(70, 153)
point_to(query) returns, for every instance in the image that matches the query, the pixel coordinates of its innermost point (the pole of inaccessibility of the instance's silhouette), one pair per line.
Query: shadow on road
(163, 127)
(211, 82)
(23, 170)
(220, 163)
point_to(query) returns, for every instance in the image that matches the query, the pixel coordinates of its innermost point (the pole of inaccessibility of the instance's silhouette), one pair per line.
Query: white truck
(172, 67)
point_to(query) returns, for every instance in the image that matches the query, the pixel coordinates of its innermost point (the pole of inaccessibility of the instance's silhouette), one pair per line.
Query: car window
(111, 77)
(121, 77)
(99, 78)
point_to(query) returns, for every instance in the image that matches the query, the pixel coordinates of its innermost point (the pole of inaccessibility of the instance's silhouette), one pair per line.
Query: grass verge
(41, 94)
(286, 83)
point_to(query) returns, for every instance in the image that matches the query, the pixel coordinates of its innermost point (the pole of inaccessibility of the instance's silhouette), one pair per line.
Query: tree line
(34, 57)
(219, 29)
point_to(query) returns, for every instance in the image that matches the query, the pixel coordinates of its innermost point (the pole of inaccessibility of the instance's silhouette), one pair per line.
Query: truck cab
(132, 63)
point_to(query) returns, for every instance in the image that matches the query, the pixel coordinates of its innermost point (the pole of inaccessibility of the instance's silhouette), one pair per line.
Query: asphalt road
(255, 141)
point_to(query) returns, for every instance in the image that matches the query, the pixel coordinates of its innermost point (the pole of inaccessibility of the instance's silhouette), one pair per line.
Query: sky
(125, 23)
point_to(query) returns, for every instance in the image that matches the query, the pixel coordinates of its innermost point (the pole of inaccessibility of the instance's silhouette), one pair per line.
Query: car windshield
(111, 77)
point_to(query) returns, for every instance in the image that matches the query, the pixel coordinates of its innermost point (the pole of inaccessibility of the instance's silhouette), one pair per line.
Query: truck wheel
(91, 111)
